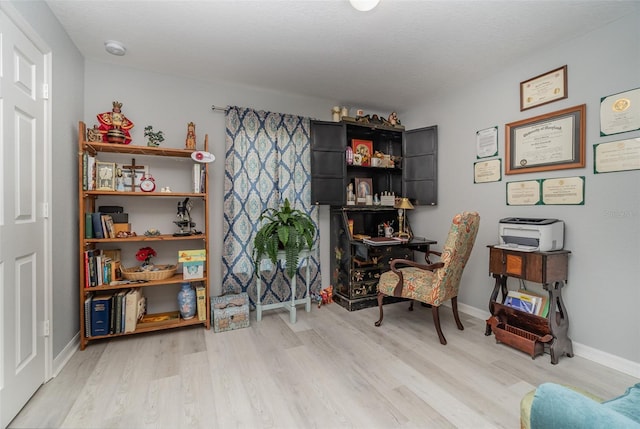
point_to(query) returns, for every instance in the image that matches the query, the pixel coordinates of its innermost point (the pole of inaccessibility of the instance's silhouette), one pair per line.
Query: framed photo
(363, 148)
(543, 89)
(553, 141)
(364, 189)
(105, 176)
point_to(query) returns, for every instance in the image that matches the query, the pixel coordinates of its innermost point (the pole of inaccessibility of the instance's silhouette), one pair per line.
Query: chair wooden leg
(454, 306)
(436, 321)
(380, 298)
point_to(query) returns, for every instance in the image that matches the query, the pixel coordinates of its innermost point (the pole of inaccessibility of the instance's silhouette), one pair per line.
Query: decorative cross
(132, 170)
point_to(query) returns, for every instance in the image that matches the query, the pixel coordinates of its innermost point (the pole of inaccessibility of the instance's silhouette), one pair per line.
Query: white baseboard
(603, 358)
(63, 357)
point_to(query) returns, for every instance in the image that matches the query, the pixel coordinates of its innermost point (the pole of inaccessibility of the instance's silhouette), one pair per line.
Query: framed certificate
(620, 113)
(554, 141)
(543, 89)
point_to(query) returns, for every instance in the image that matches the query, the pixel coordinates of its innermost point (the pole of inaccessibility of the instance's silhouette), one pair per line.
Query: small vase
(187, 301)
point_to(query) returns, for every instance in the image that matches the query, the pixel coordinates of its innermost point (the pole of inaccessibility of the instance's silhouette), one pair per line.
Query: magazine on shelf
(523, 301)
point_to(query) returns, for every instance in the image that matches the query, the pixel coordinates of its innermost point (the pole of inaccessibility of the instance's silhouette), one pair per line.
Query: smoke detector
(115, 48)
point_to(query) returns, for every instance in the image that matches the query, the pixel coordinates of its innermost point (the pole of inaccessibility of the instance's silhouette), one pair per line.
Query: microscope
(184, 222)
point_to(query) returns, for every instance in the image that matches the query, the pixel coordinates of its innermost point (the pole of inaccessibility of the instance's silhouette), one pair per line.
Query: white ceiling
(393, 57)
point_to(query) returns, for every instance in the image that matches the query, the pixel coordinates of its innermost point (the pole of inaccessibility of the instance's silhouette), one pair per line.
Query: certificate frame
(553, 141)
(544, 89)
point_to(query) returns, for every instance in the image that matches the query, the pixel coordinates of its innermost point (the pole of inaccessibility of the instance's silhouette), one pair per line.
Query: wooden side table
(547, 268)
(289, 305)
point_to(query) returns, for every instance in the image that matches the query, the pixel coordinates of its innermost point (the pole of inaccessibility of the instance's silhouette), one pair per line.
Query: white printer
(530, 234)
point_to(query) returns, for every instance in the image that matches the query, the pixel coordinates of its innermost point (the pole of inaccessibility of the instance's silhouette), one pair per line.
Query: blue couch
(556, 406)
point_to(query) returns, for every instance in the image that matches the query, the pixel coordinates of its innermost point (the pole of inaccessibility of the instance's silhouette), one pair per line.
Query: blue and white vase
(187, 301)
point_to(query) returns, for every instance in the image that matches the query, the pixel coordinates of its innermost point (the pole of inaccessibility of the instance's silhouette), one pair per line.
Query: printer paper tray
(518, 247)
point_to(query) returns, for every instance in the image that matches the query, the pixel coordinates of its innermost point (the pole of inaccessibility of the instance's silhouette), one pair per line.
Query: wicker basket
(161, 272)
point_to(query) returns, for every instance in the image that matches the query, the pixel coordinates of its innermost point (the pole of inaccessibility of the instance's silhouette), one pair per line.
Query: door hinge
(46, 328)
(45, 91)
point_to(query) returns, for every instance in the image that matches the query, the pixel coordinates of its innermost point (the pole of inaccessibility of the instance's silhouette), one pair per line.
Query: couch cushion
(555, 406)
(627, 404)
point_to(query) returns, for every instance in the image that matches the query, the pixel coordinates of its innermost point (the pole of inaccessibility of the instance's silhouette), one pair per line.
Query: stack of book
(117, 313)
(528, 302)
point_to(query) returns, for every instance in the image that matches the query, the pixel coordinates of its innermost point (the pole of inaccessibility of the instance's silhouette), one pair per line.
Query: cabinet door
(328, 167)
(420, 165)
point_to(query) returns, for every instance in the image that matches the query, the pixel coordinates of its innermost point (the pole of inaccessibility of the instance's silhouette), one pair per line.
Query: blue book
(97, 225)
(100, 312)
(519, 304)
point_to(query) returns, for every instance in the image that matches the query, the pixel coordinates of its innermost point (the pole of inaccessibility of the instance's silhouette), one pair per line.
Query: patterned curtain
(267, 160)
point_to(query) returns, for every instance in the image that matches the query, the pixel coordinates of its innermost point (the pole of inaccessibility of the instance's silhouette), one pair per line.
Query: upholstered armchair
(433, 283)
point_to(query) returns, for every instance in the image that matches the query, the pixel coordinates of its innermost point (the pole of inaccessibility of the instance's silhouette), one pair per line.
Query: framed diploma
(621, 155)
(543, 89)
(525, 193)
(564, 190)
(487, 142)
(487, 171)
(620, 113)
(553, 141)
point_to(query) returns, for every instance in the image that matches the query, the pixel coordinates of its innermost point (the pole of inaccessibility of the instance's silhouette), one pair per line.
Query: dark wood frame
(564, 92)
(579, 127)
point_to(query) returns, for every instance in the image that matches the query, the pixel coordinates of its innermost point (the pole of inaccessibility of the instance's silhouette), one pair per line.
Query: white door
(22, 224)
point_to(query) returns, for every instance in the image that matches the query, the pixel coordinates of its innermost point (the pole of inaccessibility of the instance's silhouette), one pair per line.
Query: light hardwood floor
(332, 369)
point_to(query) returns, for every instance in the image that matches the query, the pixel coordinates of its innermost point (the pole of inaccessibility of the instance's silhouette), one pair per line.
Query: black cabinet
(415, 176)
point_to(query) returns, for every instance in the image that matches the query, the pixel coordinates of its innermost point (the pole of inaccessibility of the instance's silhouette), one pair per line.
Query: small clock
(147, 184)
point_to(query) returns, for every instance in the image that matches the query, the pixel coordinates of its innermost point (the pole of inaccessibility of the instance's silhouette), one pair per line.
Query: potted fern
(284, 228)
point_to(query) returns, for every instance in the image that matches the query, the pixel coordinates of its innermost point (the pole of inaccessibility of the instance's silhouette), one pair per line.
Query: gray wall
(67, 98)
(603, 235)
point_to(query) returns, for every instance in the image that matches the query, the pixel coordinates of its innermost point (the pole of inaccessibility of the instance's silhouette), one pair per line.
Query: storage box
(192, 263)
(230, 312)
(117, 227)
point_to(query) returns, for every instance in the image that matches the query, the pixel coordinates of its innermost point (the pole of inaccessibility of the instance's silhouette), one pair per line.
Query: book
(108, 227)
(118, 312)
(382, 241)
(543, 308)
(91, 172)
(88, 226)
(97, 225)
(521, 301)
(201, 302)
(87, 316)
(131, 309)
(100, 312)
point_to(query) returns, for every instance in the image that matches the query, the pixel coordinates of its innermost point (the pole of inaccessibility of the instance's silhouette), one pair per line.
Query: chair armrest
(397, 291)
(555, 406)
(431, 252)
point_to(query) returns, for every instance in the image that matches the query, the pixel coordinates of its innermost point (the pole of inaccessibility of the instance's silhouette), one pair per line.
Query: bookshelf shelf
(88, 203)
(530, 333)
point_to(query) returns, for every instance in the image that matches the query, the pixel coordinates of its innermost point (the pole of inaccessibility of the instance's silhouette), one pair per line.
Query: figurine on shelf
(95, 134)
(351, 196)
(119, 179)
(191, 136)
(115, 125)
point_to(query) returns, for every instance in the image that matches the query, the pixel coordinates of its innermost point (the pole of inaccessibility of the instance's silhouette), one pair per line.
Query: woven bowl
(161, 272)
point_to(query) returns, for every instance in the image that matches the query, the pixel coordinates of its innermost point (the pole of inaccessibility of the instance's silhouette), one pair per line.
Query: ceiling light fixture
(115, 48)
(364, 5)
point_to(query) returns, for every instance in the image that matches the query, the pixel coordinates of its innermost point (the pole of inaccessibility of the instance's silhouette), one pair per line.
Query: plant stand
(289, 305)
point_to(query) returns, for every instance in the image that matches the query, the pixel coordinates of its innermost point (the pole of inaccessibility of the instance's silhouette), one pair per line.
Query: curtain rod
(222, 109)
